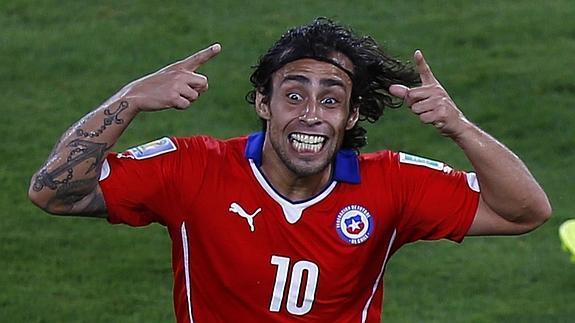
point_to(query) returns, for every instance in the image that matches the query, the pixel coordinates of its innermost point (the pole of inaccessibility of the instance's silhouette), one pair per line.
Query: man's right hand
(174, 86)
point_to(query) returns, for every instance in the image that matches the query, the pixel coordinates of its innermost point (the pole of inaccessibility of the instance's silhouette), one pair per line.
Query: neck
(293, 187)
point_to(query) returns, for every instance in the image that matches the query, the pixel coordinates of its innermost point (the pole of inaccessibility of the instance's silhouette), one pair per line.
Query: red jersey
(241, 252)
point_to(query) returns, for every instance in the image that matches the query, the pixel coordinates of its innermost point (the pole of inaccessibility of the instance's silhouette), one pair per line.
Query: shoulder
(378, 167)
(209, 143)
(391, 164)
(167, 151)
(377, 157)
(403, 160)
(206, 150)
(386, 159)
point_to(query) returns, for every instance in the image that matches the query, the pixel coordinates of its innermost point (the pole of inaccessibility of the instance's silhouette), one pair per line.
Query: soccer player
(290, 223)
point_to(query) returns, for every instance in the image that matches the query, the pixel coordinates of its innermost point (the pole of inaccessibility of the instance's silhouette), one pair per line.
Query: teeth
(307, 143)
(307, 139)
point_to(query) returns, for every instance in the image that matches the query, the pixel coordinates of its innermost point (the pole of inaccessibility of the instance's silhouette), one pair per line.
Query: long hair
(373, 70)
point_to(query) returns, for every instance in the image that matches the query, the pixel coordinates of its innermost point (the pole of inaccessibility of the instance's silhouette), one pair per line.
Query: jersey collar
(346, 164)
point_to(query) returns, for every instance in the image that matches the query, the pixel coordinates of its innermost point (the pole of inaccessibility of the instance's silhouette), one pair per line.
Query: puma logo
(236, 208)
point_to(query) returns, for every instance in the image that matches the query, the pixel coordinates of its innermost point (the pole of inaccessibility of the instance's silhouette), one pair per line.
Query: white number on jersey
(294, 288)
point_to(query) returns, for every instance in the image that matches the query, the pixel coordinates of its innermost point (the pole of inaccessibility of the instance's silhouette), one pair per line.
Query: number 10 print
(294, 287)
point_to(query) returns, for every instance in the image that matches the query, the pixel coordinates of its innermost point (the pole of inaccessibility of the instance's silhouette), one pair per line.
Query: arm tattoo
(82, 151)
(112, 117)
(70, 193)
(74, 192)
(96, 205)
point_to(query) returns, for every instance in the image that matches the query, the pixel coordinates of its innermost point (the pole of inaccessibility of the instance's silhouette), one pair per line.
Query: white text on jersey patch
(420, 161)
(354, 224)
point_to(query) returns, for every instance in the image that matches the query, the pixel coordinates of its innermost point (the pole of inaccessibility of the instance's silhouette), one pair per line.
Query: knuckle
(408, 99)
(407, 96)
(181, 76)
(440, 112)
(182, 103)
(174, 97)
(202, 78)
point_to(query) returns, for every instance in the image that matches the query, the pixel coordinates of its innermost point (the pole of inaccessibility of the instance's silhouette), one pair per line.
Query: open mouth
(304, 143)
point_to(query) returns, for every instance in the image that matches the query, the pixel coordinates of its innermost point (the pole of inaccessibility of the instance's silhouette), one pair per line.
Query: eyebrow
(304, 80)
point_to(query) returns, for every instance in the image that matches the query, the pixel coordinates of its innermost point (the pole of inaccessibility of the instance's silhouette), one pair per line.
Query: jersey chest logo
(354, 224)
(236, 208)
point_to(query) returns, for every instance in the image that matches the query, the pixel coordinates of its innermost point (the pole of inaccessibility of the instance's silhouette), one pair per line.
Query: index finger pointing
(199, 58)
(424, 70)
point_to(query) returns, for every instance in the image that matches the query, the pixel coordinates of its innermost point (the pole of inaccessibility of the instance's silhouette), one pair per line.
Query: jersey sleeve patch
(105, 172)
(473, 182)
(151, 149)
(420, 161)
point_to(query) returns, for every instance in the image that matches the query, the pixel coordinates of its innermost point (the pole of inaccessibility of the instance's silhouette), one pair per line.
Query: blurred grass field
(507, 64)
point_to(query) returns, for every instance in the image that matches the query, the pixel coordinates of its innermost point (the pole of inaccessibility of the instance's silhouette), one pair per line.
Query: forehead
(321, 69)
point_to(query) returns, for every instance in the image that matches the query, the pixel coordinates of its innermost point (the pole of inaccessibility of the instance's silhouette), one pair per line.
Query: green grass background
(509, 65)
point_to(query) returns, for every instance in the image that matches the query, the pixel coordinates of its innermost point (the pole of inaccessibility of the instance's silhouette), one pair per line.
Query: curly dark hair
(374, 70)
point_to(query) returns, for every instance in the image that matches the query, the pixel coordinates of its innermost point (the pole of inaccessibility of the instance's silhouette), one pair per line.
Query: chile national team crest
(354, 224)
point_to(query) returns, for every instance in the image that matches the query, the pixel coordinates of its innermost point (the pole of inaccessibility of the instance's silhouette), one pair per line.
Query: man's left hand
(430, 102)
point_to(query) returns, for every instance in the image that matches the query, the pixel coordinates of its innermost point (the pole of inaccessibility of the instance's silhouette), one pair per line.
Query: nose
(310, 114)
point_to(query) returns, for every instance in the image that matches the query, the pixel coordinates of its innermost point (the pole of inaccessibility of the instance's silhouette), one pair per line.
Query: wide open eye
(294, 96)
(329, 101)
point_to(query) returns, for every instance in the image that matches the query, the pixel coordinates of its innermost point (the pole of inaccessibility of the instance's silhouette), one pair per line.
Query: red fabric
(232, 271)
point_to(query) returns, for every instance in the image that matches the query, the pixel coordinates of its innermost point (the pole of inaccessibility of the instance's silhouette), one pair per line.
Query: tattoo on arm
(75, 181)
(112, 117)
(82, 151)
(95, 205)
(79, 197)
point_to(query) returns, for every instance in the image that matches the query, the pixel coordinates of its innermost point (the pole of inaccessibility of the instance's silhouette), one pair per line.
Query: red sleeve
(436, 201)
(144, 184)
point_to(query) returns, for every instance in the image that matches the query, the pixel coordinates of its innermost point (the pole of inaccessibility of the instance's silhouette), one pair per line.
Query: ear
(262, 106)
(352, 119)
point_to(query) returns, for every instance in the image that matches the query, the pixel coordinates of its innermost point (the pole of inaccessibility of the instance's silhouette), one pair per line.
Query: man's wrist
(130, 105)
(467, 131)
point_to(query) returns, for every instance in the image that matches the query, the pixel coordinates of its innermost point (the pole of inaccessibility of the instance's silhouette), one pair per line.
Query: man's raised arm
(67, 183)
(512, 202)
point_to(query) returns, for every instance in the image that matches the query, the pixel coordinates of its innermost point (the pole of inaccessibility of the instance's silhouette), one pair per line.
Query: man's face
(308, 113)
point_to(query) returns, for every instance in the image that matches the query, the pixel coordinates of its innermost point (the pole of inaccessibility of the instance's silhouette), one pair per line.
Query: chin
(304, 169)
